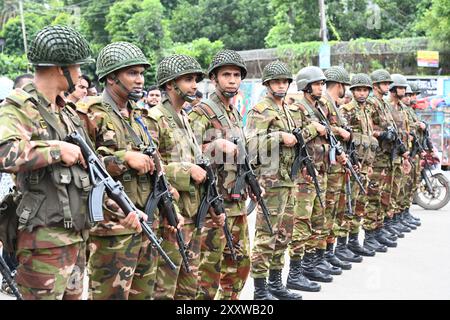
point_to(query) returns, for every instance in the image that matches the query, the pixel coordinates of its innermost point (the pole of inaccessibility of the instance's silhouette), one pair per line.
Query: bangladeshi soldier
(413, 179)
(337, 79)
(122, 264)
(51, 175)
(400, 154)
(269, 130)
(216, 121)
(357, 113)
(178, 76)
(308, 238)
(381, 178)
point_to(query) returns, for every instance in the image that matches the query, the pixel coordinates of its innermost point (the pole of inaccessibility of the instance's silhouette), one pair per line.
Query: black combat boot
(389, 226)
(335, 261)
(406, 222)
(371, 243)
(297, 281)
(278, 290)
(387, 234)
(381, 238)
(409, 215)
(311, 272)
(261, 290)
(343, 253)
(354, 246)
(324, 266)
(398, 225)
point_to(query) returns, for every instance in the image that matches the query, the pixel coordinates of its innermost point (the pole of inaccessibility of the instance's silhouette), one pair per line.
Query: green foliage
(12, 66)
(436, 23)
(201, 49)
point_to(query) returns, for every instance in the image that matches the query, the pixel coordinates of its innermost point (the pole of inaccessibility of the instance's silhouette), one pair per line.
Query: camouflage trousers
(219, 276)
(378, 198)
(178, 284)
(52, 273)
(410, 185)
(121, 267)
(335, 187)
(397, 189)
(309, 219)
(341, 226)
(268, 250)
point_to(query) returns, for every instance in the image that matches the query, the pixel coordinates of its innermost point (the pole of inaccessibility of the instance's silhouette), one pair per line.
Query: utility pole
(24, 32)
(323, 22)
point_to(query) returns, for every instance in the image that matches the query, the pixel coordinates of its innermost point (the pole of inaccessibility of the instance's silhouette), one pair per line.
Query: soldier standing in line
(216, 121)
(178, 76)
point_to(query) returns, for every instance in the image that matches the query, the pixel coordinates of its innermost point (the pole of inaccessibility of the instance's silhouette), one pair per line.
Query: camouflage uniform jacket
(112, 139)
(319, 147)
(382, 119)
(265, 122)
(358, 119)
(173, 136)
(208, 127)
(400, 116)
(336, 120)
(28, 149)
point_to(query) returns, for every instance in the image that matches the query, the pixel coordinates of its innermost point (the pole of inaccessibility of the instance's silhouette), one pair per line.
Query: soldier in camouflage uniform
(381, 188)
(169, 125)
(122, 264)
(269, 132)
(335, 224)
(52, 214)
(401, 163)
(308, 235)
(413, 179)
(215, 122)
(358, 114)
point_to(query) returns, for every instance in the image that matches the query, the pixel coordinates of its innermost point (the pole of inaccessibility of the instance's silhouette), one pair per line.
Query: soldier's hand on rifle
(174, 192)
(217, 219)
(198, 174)
(140, 162)
(306, 176)
(71, 154)
(320, 128)
(288, 139)
(226, 146)
(132, 220)
(369, 171)
(405, 155)
(421, 125)
(171, 228)
(406, 167)
(342, 158)
(344, 134)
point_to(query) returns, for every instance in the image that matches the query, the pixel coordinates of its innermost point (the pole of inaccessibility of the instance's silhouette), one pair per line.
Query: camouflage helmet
(309, 75)
(276, 70)
(398, 81)
(176, 65)
(118, 55)
(361, 80)
(408, 89)
(337, 74)
(227, 58)
(414, 88)
(380, 75)
(59, 46)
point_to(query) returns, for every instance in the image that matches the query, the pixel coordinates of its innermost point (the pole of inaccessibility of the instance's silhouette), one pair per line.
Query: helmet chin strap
(341, 96)
(276, 94)
(308, 90)
(66, 73)
(397, 95)
(131, 95)
(186, 97)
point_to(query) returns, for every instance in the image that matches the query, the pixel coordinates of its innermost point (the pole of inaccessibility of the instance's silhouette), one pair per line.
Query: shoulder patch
(155, 114)
(348, 106)
(260, 107)
(18, 97)
(85, 104)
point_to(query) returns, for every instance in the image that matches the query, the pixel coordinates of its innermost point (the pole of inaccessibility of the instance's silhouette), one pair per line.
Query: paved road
(417, 269)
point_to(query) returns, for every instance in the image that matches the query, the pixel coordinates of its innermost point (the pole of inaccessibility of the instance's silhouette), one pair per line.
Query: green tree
(201, 49)
(435, 22)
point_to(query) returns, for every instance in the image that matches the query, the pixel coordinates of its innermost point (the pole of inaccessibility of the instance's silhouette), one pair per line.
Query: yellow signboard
(428, 59)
